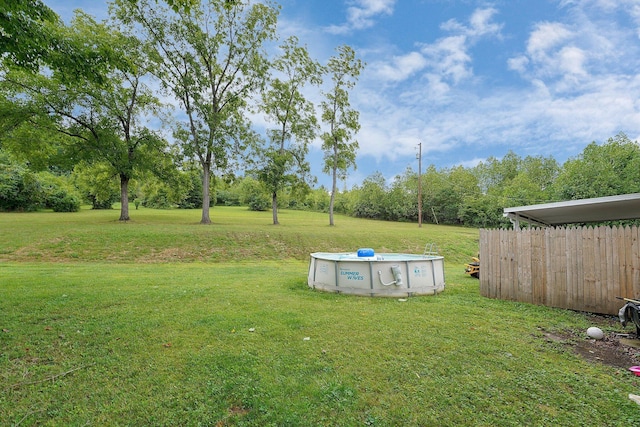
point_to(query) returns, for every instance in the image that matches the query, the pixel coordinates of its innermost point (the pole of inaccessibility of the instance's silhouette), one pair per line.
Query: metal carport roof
(611, 208)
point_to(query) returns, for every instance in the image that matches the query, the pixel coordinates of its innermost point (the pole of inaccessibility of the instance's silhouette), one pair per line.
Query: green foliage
(369, 200)
(63, 201)
(59, 193)
(482, 212)
(455, 195)
(24, 190)
(401, 201)
(27, 136)
(192, 198)
(97, 184)
(601, 170)
(101, 119)
(20, 189)
(157, 199)
(33, 37)
(171, 187)
(318, 200)
(227, 198)
(254, 194)
(24, 35)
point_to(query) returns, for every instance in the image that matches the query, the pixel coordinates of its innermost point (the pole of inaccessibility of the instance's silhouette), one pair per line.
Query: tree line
(476, 196)
(469, 196)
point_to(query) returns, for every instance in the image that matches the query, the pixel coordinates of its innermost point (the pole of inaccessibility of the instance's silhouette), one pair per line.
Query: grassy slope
(237, 234)
(149, 323)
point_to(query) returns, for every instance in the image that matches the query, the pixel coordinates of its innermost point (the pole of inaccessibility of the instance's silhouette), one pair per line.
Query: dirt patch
(618, 349)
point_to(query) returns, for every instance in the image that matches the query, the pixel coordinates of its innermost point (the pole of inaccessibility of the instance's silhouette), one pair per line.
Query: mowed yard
(162, 321)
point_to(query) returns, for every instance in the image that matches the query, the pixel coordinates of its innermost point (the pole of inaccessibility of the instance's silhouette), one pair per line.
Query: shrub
(227, 198)
(254, 194)
(158, 199)
(259, 202)
(20, 189)
(58, 193)
(61, 200)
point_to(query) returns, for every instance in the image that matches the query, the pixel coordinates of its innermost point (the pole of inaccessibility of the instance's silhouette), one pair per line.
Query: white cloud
(545, 37)
(363, 15)
(479, 24)
(400, 67)
(448, 57)
(518, 63)
(447, 60)
(557, 54)
(585, 46)
(572, 60)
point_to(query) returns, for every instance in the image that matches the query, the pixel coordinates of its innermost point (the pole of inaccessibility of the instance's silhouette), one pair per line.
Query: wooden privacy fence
(578, 268)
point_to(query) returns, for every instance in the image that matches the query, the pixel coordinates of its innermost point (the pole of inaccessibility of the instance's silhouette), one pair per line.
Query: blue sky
(471, 79)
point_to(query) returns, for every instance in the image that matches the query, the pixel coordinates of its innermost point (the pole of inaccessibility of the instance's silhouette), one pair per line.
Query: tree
(533, 183)
(440, 196)
(401, 202)
(339, 149)
(495, 173)
(369, 199)
(97, 183)
(102, 119)
(601, 170)
(210, 57)
(317, 199)
(33, 36)
(284, 159)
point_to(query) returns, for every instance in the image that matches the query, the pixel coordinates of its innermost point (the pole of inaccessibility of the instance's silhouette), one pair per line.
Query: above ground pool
(367, 273)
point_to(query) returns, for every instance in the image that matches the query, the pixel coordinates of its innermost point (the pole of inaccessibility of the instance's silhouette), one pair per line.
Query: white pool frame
(373, 276)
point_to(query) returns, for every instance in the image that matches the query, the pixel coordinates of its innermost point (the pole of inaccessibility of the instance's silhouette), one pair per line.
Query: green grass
(172, 235)
(162, 321)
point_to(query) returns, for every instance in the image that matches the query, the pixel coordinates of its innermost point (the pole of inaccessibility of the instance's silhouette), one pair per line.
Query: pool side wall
(420, 275)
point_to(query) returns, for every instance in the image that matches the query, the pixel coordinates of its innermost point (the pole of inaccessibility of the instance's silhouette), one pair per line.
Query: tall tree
(102, 119)
(284, 159)
(343, 121)
(210, 57)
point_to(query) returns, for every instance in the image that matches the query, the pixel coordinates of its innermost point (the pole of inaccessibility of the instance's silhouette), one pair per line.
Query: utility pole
(419, 184)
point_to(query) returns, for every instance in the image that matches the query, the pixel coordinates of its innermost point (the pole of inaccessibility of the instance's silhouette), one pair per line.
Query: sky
(470, 79)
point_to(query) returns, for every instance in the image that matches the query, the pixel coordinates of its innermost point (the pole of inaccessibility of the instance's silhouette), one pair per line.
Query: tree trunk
(206, 199)
(274, 207)
(124, 198)
(334, 188)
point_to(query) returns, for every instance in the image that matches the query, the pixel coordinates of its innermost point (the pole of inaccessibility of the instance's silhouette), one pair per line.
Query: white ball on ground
(595, 333)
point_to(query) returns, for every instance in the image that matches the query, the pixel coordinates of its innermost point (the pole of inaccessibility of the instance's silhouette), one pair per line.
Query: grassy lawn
(162, 321)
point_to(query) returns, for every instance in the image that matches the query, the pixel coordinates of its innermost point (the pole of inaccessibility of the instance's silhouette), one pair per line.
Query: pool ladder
(430, 249)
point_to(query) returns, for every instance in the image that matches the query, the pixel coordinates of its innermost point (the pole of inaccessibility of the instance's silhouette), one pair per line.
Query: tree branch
(51, 378)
